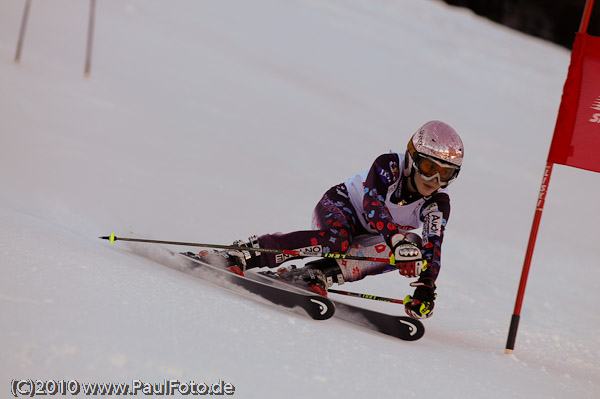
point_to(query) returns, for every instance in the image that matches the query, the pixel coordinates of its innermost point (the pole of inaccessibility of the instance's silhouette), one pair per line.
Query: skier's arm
(434, 214)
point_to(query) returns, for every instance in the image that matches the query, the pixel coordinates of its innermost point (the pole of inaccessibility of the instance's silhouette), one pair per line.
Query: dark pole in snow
(90, 39)
(22, 31)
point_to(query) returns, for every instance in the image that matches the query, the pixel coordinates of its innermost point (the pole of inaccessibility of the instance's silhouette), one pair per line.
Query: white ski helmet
(435, 150)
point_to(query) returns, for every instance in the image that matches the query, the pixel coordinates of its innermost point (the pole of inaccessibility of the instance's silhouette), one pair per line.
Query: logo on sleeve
(433, 224)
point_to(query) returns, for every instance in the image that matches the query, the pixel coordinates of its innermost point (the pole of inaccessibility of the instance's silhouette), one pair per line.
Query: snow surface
(210, 121)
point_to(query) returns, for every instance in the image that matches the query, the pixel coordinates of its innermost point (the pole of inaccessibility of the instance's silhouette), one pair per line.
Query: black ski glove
(420, 305)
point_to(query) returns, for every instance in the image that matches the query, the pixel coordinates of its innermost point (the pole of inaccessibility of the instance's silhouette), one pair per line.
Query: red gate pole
(587, 13)
(514, 322)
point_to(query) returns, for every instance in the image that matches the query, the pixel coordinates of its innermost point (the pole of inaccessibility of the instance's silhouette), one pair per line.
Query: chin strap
(406, 196)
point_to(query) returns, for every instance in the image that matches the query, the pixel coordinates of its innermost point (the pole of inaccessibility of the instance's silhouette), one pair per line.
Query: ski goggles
(430, 168)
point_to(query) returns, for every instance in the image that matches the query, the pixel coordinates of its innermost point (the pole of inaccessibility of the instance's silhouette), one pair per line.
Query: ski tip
(412, 329)
(111, 237)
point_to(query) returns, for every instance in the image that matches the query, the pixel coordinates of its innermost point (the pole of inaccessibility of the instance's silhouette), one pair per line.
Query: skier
(373, 213)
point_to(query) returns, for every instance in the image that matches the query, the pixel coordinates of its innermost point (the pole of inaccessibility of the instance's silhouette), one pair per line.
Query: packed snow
(210, 121)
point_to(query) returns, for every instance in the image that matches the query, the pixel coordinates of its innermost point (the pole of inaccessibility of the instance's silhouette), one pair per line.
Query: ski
(403, 327)
(316, 306)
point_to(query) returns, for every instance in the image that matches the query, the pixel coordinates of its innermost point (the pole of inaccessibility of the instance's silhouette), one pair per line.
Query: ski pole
(290, 252)
(366, 296)
(90, 40)
(22, 31)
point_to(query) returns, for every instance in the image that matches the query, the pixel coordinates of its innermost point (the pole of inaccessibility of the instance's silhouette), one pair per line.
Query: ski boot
(236, 261)
(229, 260)
(249, 259)
(316, 276)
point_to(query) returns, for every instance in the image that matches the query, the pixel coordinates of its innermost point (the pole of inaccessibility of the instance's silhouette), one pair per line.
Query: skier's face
(426, 187)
